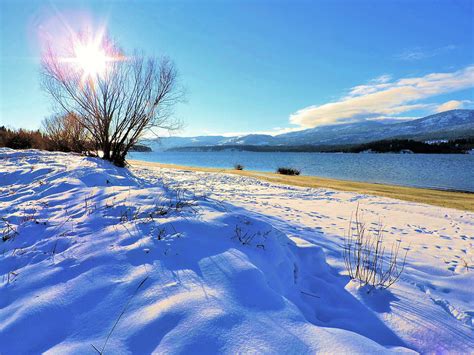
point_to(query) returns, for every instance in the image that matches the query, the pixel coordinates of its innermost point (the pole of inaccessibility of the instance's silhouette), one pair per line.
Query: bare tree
(131, 95)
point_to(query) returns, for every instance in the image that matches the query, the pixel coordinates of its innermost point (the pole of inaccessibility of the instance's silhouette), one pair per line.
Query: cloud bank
(384, 97)
(452, 105)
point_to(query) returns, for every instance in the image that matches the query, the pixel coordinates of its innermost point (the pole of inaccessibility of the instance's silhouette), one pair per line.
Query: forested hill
(457, 146)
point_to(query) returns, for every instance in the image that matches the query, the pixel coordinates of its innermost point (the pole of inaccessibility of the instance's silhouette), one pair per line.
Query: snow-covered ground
(159, 260)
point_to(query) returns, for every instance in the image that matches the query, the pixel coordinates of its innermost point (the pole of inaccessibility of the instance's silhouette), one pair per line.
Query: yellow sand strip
(450, 199)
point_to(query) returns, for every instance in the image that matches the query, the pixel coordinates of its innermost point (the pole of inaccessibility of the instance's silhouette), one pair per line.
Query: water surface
(440, 171)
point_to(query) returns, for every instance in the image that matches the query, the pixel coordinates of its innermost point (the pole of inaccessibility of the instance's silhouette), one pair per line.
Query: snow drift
(95, 258)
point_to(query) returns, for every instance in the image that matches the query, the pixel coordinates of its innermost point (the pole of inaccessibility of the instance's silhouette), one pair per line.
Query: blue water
(440, 171)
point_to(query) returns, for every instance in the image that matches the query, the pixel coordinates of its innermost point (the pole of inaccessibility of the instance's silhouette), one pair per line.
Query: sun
(91, 59)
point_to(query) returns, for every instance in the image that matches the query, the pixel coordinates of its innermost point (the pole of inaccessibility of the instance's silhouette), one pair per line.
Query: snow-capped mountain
(444, 125)
(160, 144)
(449, 124)
(253, 139)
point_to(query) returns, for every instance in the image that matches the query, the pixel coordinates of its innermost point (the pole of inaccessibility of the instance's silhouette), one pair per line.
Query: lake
(440, 171)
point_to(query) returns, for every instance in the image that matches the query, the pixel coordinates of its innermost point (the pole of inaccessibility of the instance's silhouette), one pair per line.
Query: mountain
(252, 139)
(160, 144)
(445, 125)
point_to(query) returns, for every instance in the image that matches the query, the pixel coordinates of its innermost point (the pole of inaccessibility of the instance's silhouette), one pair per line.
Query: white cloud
(395, 119)
(452, 105)
(382, 79)
(419, 53)
(414, 54)
(272, 132)
(384, 98)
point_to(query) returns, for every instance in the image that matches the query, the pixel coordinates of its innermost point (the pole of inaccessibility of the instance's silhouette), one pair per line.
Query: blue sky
(265, 66)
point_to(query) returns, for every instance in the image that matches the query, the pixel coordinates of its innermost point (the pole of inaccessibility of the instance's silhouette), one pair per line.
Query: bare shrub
(465, 264)
(11, 276)
(8, 230)
(178, 200)
(288, 171)
(246, 237)
(365, 255)
(66, 133)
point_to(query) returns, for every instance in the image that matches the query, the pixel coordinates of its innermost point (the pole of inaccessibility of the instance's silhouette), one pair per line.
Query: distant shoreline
(461, 200)
(394, 146)
(236, 149)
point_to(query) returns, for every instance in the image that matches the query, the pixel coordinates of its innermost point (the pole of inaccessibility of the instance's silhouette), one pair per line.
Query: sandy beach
(451, 199)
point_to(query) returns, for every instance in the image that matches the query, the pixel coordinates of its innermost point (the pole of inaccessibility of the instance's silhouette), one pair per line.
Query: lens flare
(90, 59)
(92, 56)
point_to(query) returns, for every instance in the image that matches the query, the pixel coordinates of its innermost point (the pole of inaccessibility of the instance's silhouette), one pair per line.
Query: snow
(102, 256)
(448, 118)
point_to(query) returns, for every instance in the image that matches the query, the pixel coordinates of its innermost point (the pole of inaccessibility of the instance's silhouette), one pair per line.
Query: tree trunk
(106, 150)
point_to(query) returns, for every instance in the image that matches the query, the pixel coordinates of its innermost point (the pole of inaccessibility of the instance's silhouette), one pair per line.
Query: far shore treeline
(455, 146)
(36, 139)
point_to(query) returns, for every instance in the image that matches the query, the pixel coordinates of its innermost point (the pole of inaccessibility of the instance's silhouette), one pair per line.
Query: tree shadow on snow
(335, 306)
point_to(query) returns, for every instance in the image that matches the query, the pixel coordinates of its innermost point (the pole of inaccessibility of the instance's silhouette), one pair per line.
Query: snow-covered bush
(365, 255)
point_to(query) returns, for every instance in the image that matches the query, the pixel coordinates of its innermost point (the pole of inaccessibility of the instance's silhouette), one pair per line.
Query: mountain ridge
(451, 124)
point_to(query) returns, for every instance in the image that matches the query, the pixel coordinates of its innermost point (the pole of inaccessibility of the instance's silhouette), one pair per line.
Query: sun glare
(90, 59)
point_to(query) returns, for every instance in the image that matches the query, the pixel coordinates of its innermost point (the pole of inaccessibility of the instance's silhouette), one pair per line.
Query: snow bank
(159, 261)
(96, 257)
(430, 309)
